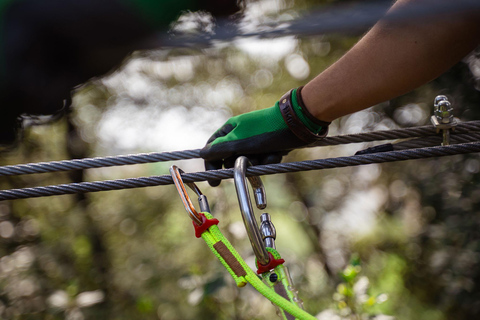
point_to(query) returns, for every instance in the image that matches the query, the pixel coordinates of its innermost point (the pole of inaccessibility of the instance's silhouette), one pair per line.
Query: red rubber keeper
(271, 265)
(206, 223)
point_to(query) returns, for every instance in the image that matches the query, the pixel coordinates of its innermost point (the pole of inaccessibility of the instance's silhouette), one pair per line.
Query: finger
(214, 183)
(230, 161)
(213, 165)
(223, 131)
(272, 158)
(254, 160)
(220, 150)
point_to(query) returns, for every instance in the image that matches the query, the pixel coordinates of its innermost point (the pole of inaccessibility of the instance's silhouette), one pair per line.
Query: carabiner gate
(239, 175)
(202, 199)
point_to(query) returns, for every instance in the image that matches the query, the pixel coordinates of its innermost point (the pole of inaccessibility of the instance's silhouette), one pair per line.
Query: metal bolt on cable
(442, 118)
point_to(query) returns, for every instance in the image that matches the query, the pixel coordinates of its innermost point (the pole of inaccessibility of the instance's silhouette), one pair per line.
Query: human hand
(264, 136)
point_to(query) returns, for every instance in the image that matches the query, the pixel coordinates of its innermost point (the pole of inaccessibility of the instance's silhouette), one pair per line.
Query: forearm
(391, 59)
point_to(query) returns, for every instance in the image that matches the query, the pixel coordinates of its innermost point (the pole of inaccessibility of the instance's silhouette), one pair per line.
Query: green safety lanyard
(243, 274)
(276, 289)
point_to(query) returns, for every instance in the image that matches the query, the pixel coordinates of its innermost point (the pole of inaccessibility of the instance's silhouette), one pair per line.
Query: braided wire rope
(405, 133)
(308, 165)
(87, 163)
(98, 162)
(436, 140)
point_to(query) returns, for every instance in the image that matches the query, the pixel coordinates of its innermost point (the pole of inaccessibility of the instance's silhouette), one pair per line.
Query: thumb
(214, 154)
(212, 151)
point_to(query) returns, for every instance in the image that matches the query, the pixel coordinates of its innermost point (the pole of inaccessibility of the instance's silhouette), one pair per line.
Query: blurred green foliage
(132, 254)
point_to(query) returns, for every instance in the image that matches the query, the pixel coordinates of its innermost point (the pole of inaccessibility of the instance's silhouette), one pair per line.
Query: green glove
(264, 136)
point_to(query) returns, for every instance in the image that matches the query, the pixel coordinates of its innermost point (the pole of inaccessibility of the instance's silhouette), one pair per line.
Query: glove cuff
(295, 124)
(305, 111)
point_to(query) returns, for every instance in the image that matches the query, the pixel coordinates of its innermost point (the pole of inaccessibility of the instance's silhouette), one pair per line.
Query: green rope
(213, 236)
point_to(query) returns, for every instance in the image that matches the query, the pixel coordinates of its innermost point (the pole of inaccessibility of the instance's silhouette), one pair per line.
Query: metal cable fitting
(442, 118)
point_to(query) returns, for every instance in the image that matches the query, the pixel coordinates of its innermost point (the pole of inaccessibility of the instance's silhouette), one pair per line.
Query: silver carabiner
(239, 175)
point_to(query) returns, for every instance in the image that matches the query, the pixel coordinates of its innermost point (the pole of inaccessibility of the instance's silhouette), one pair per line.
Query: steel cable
(405, 133)
(436, 141)
(319, 164)
(98, 162)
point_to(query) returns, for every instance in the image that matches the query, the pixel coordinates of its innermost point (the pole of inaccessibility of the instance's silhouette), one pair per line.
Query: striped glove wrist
(299, 120)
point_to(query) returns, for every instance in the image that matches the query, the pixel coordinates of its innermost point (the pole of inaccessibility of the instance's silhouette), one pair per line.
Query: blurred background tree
(132, 254)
